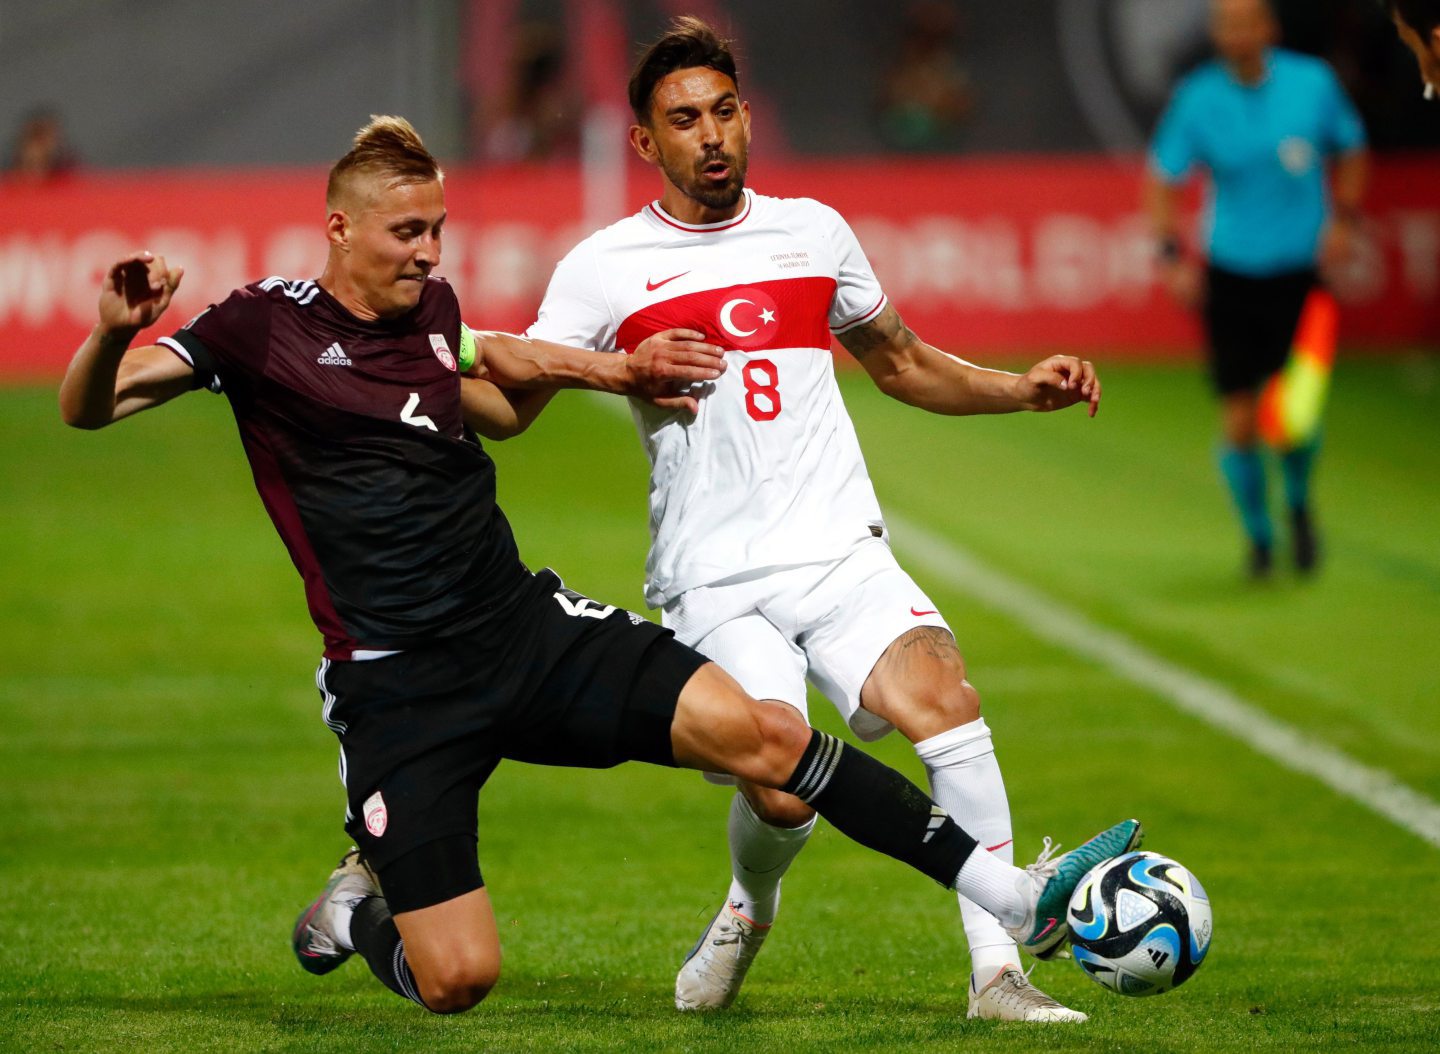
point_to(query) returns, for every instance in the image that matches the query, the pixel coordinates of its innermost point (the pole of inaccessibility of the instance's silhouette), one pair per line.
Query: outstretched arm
(904, 367)
(658, 370)
(106, 379)
(499, 413)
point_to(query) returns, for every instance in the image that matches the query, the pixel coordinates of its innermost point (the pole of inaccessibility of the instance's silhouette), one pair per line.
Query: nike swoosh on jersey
(919, 614)
(650, 286)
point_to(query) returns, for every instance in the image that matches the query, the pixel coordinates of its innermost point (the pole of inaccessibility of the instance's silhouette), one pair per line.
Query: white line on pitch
(1184, 689)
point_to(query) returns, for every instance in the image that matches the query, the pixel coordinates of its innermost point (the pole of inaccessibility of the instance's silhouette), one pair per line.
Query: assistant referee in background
(1262, 122)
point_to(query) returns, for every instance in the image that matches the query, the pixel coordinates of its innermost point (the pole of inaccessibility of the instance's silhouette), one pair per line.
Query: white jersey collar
(664, 217)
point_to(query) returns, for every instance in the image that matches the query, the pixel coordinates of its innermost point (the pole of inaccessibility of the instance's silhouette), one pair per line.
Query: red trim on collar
(703, 228)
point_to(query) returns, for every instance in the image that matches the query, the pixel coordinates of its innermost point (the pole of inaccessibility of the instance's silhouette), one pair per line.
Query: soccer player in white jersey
(770, 553)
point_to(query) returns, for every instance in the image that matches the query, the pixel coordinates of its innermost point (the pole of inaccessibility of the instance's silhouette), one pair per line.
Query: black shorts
(565, 681)
(1251, 325)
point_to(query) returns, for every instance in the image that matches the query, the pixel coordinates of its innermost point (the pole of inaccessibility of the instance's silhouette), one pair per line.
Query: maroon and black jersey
(353, 429)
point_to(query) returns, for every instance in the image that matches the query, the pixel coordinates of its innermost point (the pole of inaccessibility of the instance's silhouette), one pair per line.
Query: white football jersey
(769, 472)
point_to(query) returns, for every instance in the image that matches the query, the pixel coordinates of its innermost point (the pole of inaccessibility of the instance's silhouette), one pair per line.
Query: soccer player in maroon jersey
(443, 653)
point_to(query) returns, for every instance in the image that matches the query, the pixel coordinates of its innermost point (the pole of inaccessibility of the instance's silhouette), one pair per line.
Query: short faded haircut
(687, 44)
(388, 147)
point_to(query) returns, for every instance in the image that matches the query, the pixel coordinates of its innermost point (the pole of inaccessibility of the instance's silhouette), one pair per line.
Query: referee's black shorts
(563, 680)
(1250, 324)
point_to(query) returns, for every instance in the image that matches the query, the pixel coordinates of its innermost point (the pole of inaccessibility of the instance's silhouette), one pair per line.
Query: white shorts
(830, 622)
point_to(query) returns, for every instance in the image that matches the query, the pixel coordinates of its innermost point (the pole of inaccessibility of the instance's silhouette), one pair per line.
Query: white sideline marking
(1187, 691)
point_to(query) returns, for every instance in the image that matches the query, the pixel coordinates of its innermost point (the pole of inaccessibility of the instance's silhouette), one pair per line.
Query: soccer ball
(1140, 924)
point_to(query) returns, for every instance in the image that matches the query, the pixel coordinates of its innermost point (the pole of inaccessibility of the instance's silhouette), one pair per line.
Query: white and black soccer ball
(1140, 924)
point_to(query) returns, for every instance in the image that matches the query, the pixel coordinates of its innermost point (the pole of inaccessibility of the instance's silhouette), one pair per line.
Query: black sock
(879, 808)
(375, 937)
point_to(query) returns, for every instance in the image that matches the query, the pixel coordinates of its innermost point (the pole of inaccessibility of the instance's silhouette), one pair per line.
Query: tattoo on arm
(886, 330)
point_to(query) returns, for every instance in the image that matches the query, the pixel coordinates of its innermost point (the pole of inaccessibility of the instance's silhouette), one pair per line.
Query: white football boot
(313, 938)
(1009, 996)
(713, 972)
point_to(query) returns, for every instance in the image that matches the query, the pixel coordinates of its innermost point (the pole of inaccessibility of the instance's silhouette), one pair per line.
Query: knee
(934, 709)
(962, 705)
(777, 808)
(458, 985)
(781, 736)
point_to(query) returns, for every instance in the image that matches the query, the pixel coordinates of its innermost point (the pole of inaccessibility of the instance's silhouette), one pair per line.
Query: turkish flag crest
(747, 317)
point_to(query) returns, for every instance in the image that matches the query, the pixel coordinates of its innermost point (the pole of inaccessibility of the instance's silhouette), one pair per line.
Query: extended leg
(919, 685)
(716, 727)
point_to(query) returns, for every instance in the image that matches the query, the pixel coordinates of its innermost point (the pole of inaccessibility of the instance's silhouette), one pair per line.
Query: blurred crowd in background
(511, 80)
(940, 76)
(39, 152)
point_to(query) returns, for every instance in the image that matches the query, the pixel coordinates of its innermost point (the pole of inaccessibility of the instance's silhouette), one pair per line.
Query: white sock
(342, 913)
(760, 854)
(995, 884)
(965, 781)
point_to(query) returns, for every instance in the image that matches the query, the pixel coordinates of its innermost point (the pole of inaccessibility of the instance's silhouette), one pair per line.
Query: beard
(691, 181)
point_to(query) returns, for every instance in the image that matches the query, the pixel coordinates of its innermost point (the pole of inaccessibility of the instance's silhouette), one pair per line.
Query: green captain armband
(467, 348)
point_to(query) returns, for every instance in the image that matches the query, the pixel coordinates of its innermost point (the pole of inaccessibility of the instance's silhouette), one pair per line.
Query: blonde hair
(388, 147)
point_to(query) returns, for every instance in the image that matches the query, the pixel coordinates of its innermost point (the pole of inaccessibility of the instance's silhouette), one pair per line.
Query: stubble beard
(690, 180)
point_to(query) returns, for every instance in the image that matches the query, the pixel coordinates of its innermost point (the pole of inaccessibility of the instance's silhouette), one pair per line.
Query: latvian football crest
(375, 815)
(442, 351)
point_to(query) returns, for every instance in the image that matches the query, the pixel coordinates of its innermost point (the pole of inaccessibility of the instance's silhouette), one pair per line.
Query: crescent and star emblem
(727, 318)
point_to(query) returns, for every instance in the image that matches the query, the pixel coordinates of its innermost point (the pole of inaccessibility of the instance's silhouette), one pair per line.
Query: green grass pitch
(169, 799)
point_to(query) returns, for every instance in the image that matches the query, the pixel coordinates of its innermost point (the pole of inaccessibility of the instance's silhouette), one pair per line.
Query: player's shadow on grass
(562, 1013)
(1218, 584)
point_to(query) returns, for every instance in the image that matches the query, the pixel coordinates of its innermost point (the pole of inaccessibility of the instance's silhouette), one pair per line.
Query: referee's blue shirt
(1265, 147)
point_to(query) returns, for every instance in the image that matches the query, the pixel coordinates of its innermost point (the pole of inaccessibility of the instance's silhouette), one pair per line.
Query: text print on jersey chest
(782, 313)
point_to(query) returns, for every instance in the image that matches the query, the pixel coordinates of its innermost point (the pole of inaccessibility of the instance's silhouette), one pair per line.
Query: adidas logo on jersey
(334, 355)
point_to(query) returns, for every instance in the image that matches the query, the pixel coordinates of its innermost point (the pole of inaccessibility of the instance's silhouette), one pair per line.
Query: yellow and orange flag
(1293, 400)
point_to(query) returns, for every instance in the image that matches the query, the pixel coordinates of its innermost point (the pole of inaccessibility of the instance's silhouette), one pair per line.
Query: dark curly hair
(688, 43)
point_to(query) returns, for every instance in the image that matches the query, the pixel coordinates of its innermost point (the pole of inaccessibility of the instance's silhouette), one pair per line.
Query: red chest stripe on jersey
(785, 313)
